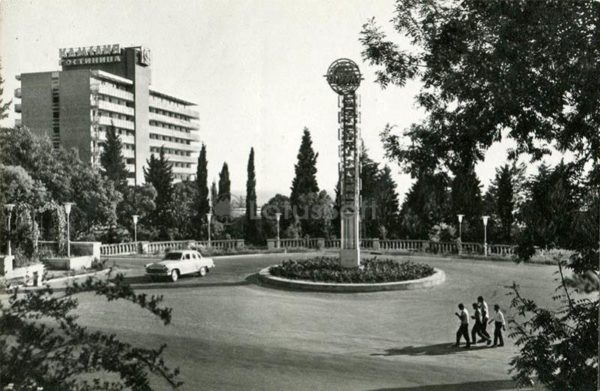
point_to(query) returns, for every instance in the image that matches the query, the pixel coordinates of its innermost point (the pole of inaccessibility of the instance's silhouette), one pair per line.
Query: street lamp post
(485, 221)
(460, 219)
(278, 216)
(67, 206)
(9, 208)
(135, 221)
(208, 218)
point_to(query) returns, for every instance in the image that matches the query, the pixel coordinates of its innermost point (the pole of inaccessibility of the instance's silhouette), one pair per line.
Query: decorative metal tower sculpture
(344, 78)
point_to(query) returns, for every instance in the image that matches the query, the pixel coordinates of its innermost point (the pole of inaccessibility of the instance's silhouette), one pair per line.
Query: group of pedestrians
(481, 318)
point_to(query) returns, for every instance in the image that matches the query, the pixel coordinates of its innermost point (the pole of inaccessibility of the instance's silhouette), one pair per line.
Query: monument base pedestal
(350, 257)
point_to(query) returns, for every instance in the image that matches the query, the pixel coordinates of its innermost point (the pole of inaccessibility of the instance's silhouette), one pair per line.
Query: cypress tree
(214, 195)
(3, 106)
(369, 176)
(251, 223)
(224, 197)
(466, 199)
(202, 203)
(305, 180)
(111, 160)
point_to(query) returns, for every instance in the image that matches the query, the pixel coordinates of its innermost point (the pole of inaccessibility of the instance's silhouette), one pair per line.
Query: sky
(255, 69)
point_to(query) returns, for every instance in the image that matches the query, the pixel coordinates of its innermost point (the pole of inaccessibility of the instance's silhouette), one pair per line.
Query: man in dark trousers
(485, 317)
(476, 330)
(499, 324)
(463, 329)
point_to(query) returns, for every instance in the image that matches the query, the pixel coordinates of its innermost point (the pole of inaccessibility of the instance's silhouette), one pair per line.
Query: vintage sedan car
(178, 263)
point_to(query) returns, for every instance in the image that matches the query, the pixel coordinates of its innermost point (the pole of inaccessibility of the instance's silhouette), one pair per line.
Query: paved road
(229, 333)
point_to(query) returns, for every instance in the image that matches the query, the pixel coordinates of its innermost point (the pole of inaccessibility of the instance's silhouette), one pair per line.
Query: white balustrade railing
(119, 248)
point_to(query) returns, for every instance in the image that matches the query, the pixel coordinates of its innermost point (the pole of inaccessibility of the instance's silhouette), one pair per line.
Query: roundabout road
(229, 333)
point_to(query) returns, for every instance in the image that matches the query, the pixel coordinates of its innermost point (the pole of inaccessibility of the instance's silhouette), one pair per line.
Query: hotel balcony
(109, 90)
(18, 122)
(172, 121)
(17, 107)
(192, 136)
(128, 153)
(113, 107)
(18, 93)
(119, 123)
(172, 107)
(193, 147)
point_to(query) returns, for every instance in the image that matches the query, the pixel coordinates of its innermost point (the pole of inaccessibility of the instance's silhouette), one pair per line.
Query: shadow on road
(142, 282)
(440, 349)
(490, 385)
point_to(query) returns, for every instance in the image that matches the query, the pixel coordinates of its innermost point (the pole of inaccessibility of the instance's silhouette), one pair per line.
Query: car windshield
(172, 256)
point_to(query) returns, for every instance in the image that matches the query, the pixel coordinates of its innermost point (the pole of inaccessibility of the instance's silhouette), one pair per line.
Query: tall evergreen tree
(425, 205)
(369, 178)
(214, 195)
(159, 173)
(466, 199)
(112, 161)
(305, 180)
(387, 203)
(202, 204)
(223, 206)
(251, 217)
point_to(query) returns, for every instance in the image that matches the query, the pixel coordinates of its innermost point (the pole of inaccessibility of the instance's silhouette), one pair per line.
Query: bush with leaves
(327, 269)
(42, 344)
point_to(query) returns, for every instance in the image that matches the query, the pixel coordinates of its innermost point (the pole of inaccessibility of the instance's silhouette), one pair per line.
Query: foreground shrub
(327, 269)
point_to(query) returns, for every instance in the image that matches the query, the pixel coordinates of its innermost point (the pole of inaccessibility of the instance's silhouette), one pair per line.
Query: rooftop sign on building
(99, 54)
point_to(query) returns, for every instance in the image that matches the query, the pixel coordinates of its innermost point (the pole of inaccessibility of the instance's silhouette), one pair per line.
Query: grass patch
(328, 269)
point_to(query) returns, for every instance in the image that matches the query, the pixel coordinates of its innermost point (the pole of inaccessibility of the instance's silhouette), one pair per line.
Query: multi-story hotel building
(103, 86)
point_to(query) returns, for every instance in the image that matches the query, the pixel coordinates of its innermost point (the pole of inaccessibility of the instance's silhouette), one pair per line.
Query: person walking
(499, 324)
(476, 330)
(463, 329)
(485, 317)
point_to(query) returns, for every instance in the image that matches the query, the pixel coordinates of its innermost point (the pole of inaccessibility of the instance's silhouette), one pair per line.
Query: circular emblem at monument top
(343, 76)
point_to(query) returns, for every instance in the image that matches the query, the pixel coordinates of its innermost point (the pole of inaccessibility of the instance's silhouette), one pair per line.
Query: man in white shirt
(485, 317)
(463, 329)
(499, 324)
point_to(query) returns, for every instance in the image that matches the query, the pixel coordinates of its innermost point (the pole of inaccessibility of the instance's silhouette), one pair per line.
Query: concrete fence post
(271, 244)
(376, 244)
(240, 243)
(320, 243)
(144, 247)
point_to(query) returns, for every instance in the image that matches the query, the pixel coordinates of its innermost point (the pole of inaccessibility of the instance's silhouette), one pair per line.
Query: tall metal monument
(344, 78)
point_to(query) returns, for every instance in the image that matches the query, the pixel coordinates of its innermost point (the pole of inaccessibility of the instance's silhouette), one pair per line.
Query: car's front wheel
(174, 275)
(203, 271)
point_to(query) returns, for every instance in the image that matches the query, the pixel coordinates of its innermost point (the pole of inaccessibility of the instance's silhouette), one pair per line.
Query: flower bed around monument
(328, 269)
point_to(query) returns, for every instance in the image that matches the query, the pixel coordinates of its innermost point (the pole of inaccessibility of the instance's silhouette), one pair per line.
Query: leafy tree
(387, 204)
(251, 228)
(278, 204)
(315, 214)
(43, 345)
(223, 204)
(184, 196)
(202, 203)
(3, 106)
(526, 70)
(65, 177)
(491, 70)
(160, 175)
(426, 204)
(138, 200)
(305, 179)
(112, 162)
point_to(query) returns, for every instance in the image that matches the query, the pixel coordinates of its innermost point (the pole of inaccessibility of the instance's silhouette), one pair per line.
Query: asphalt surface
(228, 333)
